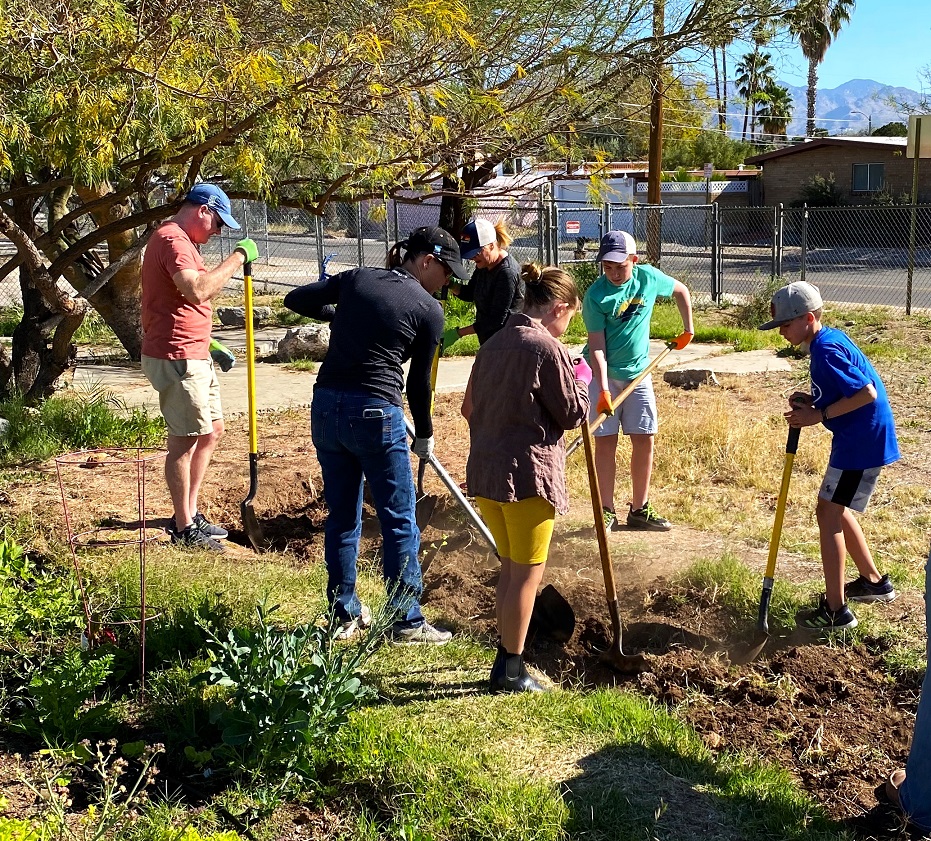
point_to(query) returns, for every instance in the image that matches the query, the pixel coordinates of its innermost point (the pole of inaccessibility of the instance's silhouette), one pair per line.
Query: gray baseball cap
(792, 301)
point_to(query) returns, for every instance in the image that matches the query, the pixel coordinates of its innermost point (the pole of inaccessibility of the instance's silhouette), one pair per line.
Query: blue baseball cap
(214, 198)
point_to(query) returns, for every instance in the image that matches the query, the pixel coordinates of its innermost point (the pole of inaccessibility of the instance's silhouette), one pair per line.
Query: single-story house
(861, 166)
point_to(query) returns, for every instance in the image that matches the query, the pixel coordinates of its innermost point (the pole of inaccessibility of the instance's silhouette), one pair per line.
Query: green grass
(728, 583)
(93, 330)
(71, 421)
(301, 365)
(606, 764)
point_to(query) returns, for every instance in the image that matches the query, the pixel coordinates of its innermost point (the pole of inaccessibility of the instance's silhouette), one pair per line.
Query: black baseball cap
(439, 243)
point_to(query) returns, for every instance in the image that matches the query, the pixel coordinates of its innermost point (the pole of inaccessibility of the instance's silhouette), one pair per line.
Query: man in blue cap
(177, 289)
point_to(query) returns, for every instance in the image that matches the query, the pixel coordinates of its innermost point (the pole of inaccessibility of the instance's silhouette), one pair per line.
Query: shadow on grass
(635, 792)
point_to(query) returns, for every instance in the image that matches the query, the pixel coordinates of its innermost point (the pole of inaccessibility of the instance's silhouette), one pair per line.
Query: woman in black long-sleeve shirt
(383, 317)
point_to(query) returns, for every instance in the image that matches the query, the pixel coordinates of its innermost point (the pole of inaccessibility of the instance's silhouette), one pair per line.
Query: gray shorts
(850, 488)
(635, 416)
(188, 394)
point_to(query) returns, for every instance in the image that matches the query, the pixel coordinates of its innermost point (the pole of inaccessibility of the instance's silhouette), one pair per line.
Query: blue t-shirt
(864, 438)
(623, 313)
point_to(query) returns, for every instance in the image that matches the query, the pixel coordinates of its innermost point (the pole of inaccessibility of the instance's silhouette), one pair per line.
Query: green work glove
(249, 248)
(222, 355)
(450, 337)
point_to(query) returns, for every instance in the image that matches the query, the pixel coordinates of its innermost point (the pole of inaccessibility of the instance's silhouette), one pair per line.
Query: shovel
(249, 521)
(457, 494)
(426, 503)
(614, 656)
(621, 397)
(766, 594)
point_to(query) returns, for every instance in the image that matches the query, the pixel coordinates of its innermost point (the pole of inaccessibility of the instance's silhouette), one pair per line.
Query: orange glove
(682, 340)
(604, 404)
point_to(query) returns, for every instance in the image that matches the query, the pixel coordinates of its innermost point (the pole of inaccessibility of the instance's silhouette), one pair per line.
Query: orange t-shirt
(172, 326)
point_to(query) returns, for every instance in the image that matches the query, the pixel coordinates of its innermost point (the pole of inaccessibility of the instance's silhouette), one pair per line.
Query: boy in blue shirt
(849, 398)
(617, 309)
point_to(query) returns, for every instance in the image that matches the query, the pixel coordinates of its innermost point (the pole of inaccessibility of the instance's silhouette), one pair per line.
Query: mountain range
(847, 109)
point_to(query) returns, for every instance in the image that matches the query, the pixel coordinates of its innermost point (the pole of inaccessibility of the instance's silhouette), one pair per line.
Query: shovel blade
(424, 509)
(251, 526)
(552, 615)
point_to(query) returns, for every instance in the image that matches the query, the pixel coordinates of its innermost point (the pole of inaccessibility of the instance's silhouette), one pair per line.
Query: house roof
(816, 142)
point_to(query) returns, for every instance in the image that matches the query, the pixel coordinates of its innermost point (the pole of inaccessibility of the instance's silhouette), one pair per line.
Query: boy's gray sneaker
(647, 518)
(193, 538)
(863, 590)
(349, 629)
(425, 634)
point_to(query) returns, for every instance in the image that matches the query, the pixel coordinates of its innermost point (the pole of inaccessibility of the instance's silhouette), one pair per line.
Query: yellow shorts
(188, 394)
(522, 530)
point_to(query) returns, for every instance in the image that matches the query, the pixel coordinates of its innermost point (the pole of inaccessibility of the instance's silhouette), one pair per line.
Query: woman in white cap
(496, 287)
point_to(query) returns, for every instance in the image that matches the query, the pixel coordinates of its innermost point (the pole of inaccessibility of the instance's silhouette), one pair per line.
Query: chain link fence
(857, 255)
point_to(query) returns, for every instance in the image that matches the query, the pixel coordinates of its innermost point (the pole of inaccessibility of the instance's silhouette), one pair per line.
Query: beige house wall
(784, 177)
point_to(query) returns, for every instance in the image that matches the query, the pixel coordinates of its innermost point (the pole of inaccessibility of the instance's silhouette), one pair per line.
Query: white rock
(309, 341)
(690, 378)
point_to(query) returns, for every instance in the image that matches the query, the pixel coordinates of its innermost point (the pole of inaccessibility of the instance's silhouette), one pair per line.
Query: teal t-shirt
(623, 312)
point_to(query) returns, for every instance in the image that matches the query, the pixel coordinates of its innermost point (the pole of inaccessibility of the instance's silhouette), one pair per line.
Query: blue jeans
(915, 792)
(355, 435)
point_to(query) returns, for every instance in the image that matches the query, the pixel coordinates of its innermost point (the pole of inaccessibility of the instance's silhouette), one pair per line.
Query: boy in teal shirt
(617, 309)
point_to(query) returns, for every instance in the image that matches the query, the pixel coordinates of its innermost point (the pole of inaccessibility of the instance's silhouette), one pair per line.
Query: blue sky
(887, 41)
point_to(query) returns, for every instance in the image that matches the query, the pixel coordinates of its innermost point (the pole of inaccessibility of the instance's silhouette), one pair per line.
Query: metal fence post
(397, 226)
(803, 257)
(780, 233)
(267, 247)
(715, 253)
(359, 243)
(772, 256)
(318, 242)
(542, 251)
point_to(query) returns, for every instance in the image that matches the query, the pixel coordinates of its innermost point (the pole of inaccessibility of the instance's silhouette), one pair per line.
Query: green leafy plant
(287, 692)
(59, 705)
(35, 603)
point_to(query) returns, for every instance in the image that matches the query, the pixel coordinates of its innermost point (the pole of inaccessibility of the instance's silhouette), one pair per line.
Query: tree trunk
(42, 346)
(724, 84)
(452, 208)
(717, 90)
(812, 96)
(119, 302)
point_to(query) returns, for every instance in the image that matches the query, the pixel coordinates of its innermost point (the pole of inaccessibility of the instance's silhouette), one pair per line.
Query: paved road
(875, 276)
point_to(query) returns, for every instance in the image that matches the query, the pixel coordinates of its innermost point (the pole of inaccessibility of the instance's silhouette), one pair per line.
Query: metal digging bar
(457, 494)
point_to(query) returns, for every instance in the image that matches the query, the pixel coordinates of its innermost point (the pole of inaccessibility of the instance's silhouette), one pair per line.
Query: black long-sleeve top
(496, 293)
(383, 317)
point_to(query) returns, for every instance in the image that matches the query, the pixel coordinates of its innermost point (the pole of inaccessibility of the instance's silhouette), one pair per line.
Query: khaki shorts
(635, 416)
(188, 394)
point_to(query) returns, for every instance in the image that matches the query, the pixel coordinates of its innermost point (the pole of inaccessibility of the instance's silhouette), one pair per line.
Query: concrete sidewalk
(279, 388)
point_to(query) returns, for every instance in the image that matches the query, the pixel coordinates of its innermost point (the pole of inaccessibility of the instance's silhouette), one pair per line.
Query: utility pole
(655, 157)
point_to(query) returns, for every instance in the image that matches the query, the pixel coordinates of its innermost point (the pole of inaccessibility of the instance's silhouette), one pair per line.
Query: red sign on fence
(573, 226)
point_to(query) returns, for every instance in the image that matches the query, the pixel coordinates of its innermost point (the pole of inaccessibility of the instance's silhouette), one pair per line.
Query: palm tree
(754, 71)
(775, 112)
(816, 23)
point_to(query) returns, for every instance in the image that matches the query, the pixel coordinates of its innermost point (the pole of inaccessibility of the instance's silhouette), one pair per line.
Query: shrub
(820, 192)
(288, 691)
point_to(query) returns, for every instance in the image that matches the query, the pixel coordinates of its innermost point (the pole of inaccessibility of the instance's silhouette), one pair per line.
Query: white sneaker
(425, 634)
(354, 626)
